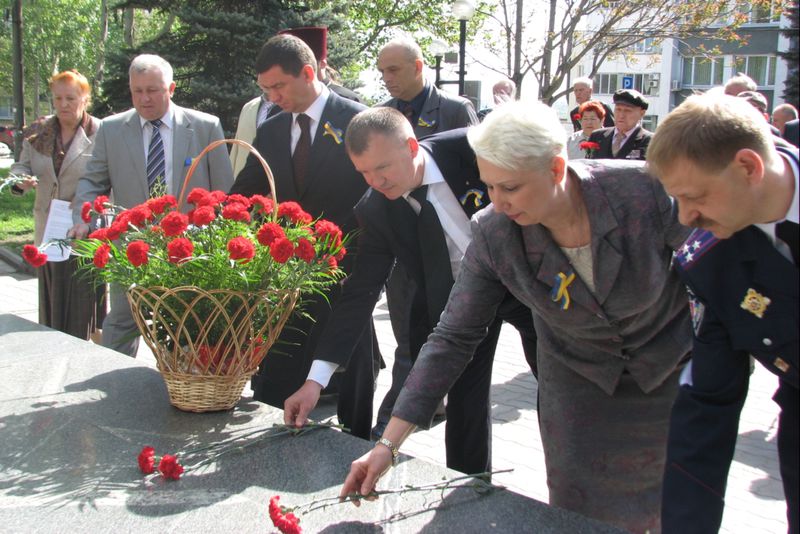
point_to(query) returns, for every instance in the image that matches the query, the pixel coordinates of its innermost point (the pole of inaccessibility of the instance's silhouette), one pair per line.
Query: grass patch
(16, 218)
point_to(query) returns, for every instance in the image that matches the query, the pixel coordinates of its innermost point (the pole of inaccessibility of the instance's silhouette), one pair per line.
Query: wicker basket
(208, 343)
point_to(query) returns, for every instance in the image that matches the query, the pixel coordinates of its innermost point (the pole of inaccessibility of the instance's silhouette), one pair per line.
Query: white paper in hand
(59, 220)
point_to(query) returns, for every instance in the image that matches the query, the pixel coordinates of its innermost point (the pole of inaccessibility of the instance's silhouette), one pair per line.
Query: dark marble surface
(73, 417)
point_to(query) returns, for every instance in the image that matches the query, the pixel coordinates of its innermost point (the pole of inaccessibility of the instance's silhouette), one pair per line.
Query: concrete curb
(15, 261)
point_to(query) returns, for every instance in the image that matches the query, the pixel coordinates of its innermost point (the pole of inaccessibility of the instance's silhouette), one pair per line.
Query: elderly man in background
(145, 152)
(739, 84)
(782, 114)
(582, 88)
(503, 91)
(628, 139)
(716, 157)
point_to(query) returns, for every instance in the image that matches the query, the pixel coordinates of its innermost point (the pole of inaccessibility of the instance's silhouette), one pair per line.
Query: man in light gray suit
(156, 136)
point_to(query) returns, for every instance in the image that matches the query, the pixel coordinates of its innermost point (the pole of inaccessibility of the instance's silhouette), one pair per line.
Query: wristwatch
(392, 447)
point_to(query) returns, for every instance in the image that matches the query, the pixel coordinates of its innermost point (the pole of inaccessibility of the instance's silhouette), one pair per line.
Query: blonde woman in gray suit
(54, 153)
(587, 247)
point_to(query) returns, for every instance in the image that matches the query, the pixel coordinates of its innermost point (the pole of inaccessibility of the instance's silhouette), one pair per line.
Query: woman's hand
(28, 183)
(364, 474)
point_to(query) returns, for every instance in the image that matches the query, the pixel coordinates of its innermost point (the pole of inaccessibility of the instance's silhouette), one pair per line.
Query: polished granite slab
(73, 417)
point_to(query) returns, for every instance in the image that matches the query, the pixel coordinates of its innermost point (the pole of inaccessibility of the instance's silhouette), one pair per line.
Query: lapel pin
(559, 291)
(477, 200)
(336, 133)
(755, 303)
(425, 124)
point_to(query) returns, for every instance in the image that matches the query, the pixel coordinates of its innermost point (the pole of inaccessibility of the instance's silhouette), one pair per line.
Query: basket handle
(253, 151)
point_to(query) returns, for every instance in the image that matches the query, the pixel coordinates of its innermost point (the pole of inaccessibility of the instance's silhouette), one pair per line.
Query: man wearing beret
(627, 139)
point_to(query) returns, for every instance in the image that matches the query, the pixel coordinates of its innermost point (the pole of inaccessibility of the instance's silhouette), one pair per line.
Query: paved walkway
(755, 502)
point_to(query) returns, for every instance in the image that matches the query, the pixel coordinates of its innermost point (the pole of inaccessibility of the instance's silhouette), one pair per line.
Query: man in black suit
(416, 213)
(627, 139)
(304, 146)
(741, 193)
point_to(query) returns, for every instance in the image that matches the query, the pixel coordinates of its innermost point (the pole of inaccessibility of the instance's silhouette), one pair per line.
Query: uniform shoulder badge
(695, 247)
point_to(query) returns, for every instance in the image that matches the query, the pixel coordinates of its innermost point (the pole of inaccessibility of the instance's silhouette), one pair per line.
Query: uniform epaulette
(695, 247)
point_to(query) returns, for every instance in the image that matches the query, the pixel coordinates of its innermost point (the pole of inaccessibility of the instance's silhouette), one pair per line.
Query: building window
(646, 46)
(702, 71)
(650, 122)
(759, 68)
(608, 84)
(761, 13)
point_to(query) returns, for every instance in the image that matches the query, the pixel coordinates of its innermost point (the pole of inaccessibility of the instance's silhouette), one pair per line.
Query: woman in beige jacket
(54, 153)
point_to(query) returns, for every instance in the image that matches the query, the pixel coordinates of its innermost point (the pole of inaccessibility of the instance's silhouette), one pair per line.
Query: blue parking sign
(627, 82)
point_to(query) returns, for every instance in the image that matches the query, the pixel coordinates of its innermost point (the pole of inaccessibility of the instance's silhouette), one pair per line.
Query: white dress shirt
(457, 235)
(166, 130)
(314, 112)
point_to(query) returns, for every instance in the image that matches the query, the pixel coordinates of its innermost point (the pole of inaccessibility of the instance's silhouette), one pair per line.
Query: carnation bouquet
(210, 285)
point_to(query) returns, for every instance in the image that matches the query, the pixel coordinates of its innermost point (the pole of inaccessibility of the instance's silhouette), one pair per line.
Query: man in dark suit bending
(627, 139)
(416, 213)
(304, 146)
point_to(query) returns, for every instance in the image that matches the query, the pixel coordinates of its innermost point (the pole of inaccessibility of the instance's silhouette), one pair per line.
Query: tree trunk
(100, 62)
(517, 75)
(547, 58)
(128, 26)
(19, 86)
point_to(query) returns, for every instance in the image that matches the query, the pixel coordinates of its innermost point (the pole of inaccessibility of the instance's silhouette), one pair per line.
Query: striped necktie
(156, 177)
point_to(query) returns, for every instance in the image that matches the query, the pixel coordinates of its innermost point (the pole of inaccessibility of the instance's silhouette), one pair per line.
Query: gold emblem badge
(755, 303)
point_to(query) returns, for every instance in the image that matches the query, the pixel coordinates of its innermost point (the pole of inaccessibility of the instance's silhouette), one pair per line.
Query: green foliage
(16, 218)
(791, 91)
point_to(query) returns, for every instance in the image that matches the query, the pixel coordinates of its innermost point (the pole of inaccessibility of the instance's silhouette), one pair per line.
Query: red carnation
(589, 145)
(137, 253)
(281, 250)
(286, 523)
(293, 212)
(332, 264)
(241, 248)
(169, 467)
(85, 212)
(100, 233)
(32, 255)
(174, 223)
(341, 254)
(325, 229)
(100, 204)
(203, 215)
(236, 212)
(180, 250)
(261, 203)
(238, 199)
(304, 250)
(576, 117)
(139, 215)
(268, 233)
(160, 204)
(216, 197)
(101, 255)
(197, 196)
(147, 460)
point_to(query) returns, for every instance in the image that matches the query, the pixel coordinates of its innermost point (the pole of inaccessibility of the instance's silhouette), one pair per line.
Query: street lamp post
(438, 48)
(463, 11)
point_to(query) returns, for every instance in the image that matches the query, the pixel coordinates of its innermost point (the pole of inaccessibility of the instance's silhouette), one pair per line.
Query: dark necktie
(787, 232)
(302, 152)
(408, 110)
(435, 256)
(155, 160)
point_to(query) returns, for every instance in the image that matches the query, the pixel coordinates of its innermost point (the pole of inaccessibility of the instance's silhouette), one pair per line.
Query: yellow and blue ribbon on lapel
(559, 293)
(336, 133)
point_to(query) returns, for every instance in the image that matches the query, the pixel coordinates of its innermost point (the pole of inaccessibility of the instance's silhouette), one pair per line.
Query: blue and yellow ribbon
(425, 124)
(559, 292)
(336, 133)
(478, 200)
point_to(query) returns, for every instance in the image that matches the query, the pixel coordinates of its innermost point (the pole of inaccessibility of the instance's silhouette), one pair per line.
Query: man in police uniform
(717, 158)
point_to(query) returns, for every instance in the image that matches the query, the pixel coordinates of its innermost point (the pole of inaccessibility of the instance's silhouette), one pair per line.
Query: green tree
(791, 91)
